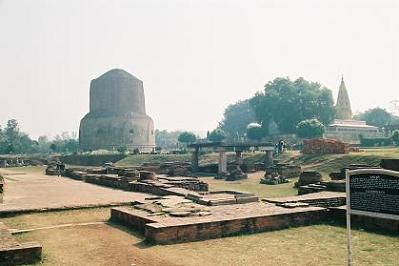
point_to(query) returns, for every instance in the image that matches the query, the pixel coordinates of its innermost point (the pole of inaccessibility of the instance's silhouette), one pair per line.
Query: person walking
(62, 169)
(58, 168)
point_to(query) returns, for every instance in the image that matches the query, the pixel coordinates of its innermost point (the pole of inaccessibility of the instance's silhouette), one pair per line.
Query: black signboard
(374, 191)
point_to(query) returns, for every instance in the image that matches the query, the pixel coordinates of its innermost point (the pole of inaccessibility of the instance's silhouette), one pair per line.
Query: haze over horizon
(194, 57)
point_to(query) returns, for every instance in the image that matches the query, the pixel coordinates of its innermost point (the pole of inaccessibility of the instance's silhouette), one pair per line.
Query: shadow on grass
(135, 233)
(355, 226)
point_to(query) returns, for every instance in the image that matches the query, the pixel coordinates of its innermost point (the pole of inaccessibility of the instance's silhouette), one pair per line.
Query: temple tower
(117, 115)
(343, 107)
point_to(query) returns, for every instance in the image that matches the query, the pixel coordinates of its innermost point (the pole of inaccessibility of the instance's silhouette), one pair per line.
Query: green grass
(310, 245)
(139, 159)
(334, 162)
(252, 185)
(26, 169)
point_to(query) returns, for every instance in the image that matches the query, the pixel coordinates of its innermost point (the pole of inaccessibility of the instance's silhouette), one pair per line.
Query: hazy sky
(194, 57)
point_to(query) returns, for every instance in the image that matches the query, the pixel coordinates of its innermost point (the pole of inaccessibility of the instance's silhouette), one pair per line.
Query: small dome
(117, 73)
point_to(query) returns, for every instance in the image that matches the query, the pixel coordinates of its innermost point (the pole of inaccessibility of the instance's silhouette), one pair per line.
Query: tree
(186, 137)
(236, 117)
(255, 132)
(11, 134)
(310, 128)
(53, 147)
(288, 102)
(122, 149)
(216, 135)
(377, 117)
(395, 137)
(165, 139)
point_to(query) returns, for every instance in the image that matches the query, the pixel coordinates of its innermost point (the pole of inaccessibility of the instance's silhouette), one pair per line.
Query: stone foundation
(14, 253)
(224, 221)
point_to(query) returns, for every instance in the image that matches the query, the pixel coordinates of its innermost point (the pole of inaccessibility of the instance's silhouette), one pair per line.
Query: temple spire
(343, 106)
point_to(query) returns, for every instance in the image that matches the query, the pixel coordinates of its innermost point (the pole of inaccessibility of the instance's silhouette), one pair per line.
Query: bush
(216, 135)
(187, 137)
(91, 159)
(122, 149)
(310, 128)
(255, 131)
(374, 142)
(395, 137)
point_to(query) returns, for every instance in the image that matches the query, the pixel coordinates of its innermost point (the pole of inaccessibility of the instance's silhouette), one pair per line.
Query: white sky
(195, 57)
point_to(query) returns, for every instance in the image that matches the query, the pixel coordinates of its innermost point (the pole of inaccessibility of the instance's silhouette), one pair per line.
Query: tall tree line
(14, 141)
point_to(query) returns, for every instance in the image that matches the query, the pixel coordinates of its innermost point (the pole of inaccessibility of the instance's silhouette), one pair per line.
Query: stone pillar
(269, 158)
(194, 159)
(222, 166)
(239, 157)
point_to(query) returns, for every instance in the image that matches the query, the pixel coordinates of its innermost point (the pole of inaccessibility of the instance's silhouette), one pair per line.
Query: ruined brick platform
(15, 253)
(321, 199)
(215, 221)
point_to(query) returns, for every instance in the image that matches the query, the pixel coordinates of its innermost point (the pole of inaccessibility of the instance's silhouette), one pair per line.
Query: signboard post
(372, 193)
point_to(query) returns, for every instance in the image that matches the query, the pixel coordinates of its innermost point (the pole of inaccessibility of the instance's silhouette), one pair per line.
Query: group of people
(60, 167)
(279, 148)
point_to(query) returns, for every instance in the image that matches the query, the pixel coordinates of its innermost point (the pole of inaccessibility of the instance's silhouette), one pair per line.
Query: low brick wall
(160, 234)
(137, 222)
(181, 231)
(14, 253)
(25, 253)
(365, 222)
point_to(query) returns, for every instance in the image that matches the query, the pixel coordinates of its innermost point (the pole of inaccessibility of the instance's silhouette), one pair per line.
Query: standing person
(281, 146)
(58, 168)
(276, 150)
(62, 168)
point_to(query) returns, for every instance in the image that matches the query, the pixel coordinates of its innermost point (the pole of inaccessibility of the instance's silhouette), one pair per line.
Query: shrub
(255, 131)
(310, 128)
(216, 135)
(395, 137)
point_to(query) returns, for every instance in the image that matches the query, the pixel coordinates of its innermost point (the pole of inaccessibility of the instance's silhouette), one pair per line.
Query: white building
(349, 131)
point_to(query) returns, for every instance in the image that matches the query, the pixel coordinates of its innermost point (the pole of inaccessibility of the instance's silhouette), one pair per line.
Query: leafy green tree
(216, 135)
(236, 117)
(255, 132)
(53, 147)
(310, 128)
(166, 139)
(288, 102)
(186, 137)
(395, 137)
(2, 141)
(11, 134)
(376, 117)
(122, 149)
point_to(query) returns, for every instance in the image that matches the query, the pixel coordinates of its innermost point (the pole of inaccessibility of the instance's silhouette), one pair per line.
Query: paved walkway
(34, 191)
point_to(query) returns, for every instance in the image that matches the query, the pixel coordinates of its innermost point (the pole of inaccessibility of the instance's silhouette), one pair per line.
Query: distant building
(344, 128)
(343, 107)
(349, 131)
(117, 115)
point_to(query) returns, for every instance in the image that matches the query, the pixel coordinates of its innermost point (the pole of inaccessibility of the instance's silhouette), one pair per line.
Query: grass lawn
(251, 185)
(35, 220)
(25, 169)
(110, 244)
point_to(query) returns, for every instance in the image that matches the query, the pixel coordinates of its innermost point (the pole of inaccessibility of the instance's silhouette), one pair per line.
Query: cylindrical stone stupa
(117, 115)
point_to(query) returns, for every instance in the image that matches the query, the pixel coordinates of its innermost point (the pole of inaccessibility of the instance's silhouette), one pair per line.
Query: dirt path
(33, 190)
